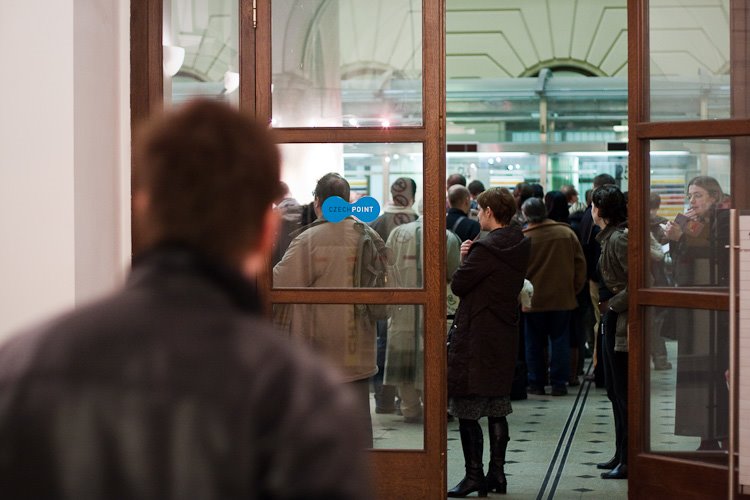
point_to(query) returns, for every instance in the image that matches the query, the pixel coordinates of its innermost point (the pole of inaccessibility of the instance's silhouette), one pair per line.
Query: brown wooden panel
(692, 299)
(638, 111)
(361, 134)
(146, 74)
(654, 476)
(247, 58)
(263, 59)
(401, 474)
(696, 129)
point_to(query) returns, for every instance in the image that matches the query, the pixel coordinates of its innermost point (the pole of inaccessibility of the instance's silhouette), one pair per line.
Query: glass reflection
(689, 218)
(689, 53)
(689, 400)
(206, 34)
(379, 351)
(347, 63)
(312, 252)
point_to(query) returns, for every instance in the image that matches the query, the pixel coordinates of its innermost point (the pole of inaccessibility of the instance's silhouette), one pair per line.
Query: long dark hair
(557, 206)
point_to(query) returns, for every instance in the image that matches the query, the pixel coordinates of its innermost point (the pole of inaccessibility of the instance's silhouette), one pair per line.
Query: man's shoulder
(120, 331)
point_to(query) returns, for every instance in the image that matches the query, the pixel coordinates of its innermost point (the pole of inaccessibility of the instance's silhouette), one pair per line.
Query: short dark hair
(537, 189)
(500, 201)
(603, 180)
(210, 172)
(332, 184)
(457, 194)
(476, 187)
(611, 203)
(403, 189)
(454, 179)
(534, 210)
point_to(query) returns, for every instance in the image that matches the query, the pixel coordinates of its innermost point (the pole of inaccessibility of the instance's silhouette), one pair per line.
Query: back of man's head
(331, 184)
(534, 210)
(457, 196)
(403, 191)
(570, 192)
(207, 175)
(602, 180)
(455, 179)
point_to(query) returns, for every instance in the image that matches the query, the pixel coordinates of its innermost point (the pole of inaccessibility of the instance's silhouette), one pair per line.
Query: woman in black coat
(484, 339)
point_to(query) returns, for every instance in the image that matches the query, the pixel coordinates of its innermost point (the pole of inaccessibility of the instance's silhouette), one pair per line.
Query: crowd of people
(574, 257)
(93, 399)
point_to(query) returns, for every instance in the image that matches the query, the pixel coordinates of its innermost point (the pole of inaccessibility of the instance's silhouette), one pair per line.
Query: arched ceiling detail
(484, 38)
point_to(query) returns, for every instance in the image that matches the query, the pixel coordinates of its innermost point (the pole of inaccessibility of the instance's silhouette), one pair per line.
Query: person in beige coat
(323, 255)
(404, 361)
(557, 270)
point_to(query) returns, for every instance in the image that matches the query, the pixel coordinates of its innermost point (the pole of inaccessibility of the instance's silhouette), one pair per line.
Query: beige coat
(404, 362)
(557, 267)
(323, 256)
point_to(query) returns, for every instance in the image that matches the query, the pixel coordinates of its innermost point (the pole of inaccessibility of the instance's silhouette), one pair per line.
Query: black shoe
(385, 410)
(559, 390)
(536, 391)
(619, 472)
(610, 464)
(468, 486)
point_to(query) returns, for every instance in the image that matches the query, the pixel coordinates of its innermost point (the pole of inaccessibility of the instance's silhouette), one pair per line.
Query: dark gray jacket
(173, 388)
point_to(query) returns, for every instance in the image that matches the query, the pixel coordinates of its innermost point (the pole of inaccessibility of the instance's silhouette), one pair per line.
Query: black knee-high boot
(499, 437)
(472, 444)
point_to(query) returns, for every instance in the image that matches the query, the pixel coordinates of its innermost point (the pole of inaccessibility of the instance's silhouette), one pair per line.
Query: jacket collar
(173, 257)
(457, 211)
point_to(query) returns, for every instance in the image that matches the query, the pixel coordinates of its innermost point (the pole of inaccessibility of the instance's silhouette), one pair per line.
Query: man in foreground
(174, 387)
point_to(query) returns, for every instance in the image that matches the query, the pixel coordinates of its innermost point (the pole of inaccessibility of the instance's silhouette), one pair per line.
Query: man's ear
(256, 258)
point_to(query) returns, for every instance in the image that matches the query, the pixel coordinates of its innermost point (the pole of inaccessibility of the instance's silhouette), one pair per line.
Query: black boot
(499, 438)
(472, 444)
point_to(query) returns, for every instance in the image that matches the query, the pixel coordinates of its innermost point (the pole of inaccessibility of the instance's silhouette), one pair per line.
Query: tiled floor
(555, 444)
(556, 441)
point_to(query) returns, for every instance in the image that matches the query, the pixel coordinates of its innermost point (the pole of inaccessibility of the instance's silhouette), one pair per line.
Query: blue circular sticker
(336, 209)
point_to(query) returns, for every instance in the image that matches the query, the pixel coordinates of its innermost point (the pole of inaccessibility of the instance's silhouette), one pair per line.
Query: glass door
(355, 91)
(687, 170)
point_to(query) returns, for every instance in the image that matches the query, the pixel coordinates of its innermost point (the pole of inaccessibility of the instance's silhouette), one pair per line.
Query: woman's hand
(673, 231)
(465, 247)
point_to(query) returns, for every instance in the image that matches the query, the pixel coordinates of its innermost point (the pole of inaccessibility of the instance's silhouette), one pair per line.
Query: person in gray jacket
(174, 386)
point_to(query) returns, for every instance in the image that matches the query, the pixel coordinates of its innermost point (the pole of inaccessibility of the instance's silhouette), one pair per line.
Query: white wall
(63, 154)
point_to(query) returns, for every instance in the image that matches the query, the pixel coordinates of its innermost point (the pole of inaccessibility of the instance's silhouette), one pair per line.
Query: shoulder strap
(457, 223)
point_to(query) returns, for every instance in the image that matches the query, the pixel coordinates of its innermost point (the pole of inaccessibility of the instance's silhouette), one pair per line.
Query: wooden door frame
(398, 473)
(655, 475)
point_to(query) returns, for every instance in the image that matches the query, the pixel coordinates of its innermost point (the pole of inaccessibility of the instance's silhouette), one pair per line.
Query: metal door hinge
(255, 14)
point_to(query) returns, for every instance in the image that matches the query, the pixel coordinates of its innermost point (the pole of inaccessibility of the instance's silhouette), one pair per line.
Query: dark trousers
(616, 381)
(551, 329)
(361, 391)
